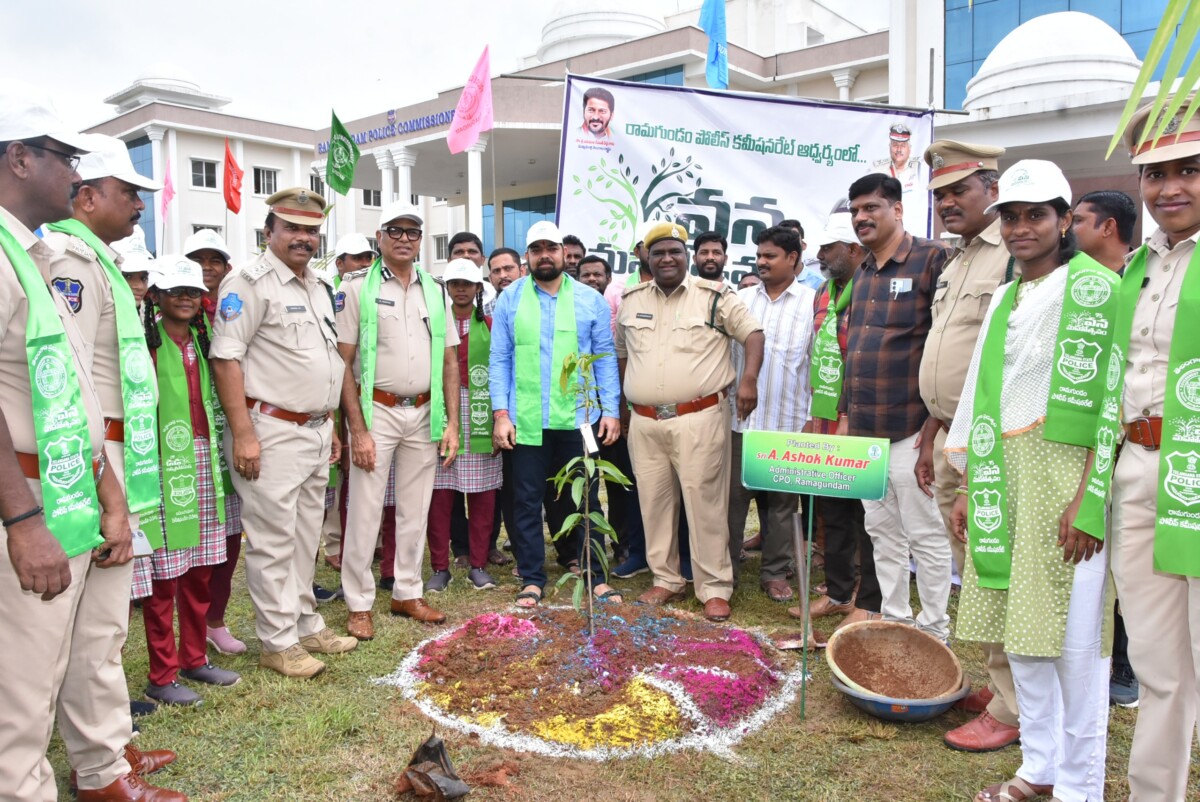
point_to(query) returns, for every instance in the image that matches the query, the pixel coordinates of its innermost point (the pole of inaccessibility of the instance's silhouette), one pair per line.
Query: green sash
(527, 361)
(1081, 352)
(218, 437)
(479, 398)
(368, 340)
(138, 396)
(181, 497)
(334, 474)
(1177, 510)
(60, 423)
(825, 371)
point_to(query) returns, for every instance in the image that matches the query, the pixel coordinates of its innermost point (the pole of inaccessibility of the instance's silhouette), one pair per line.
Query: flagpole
(495, 203)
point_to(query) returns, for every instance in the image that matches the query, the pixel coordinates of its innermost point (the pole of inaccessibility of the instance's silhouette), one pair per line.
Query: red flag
(168, 191)
(233, 181)
(473, 114)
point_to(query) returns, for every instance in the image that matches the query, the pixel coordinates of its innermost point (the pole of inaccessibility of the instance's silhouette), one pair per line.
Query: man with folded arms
(279, 377)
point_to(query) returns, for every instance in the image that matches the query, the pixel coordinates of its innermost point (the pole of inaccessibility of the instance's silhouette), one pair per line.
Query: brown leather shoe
(334, 561)
(859, 614)
(361, 625)
(658, 596)
(753, 544)
(976, 702)
(130, 788)
(148, 762)
(716, 609)
(825, 606)
(418, 610)
(779, 590)
(983, 734)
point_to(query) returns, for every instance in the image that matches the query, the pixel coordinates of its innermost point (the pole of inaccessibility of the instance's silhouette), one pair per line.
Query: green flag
(343, 156)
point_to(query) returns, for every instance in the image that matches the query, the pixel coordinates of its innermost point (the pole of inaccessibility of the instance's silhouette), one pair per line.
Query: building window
(374, 243)
(441, 247)
(415, 200)
(316, 184)
(204, 174)
(198, 227)
(372, 197)
(521, 213)
(671, 76)
(265, 181)
(322, 248)
(142, 155)
(260, 240)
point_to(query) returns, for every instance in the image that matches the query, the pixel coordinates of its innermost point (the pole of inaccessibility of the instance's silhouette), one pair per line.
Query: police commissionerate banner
(731, 163)
(817, 464)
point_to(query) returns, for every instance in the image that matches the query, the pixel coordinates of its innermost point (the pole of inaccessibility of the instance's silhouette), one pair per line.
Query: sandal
(612, 594)
(1014, 790)
(535, 595)
(573, 567)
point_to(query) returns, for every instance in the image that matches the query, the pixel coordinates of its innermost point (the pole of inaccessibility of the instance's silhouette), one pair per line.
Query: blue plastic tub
(902, 709)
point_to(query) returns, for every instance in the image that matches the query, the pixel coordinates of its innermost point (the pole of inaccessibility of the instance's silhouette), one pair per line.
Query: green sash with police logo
(1081, 352)
(479, 398)
(180, 496)
(825, 371)
(60, 424)
(527, 361)
(988, 537)
(368, 342)
(138, 390)
(1177, 510)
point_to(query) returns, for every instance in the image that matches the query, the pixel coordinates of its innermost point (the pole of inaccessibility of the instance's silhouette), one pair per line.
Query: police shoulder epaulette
(81, 249)
(256, 270)
(353, 274)
(708, 284)
(636, 288)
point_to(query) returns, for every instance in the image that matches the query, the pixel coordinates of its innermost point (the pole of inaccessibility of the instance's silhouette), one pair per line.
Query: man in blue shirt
(531, 334)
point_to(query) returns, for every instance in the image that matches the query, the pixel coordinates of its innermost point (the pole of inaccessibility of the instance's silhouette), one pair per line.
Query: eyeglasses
(72, 160)
(396, 232)
(184, 292)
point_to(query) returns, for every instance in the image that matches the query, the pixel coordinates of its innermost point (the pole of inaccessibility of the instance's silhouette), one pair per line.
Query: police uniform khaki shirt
(960, 301)
(1153, 326)
(16, 396)
(79, 277)
(402, 357)
(281, 328)
(677, 345)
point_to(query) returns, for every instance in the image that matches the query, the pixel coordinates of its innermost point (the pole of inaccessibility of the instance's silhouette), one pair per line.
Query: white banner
(714, 161)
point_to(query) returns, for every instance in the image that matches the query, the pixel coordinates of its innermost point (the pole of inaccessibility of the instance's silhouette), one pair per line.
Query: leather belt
(114, 430)
(1146, 432)
(393, 400)
(298, 418)
(668, 411)
(33, 469)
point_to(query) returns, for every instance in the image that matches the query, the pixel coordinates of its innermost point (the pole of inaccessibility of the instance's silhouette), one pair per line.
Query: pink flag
(168, 191)
(473, 114)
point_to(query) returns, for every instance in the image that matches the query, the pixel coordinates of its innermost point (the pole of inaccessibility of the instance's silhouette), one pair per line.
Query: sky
(283, 62)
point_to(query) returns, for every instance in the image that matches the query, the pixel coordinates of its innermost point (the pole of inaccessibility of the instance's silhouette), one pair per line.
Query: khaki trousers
(282, 512)
(1162, 617)
(906, 522)
(36, 637)
(401, 438)
(93, 706)
(1003, 706)
(331, 529)
(689, 453)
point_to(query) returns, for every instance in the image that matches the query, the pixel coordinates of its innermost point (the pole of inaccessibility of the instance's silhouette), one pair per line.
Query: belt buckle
(1145, 433)
(316, 421)
(665, 411)
(406, 401)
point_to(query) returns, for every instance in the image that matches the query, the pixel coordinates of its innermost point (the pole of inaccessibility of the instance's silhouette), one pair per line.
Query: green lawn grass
(341, 737)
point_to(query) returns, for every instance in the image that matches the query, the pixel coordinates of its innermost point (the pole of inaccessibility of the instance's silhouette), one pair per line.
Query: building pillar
(384, 159)
(844, 81)
(157, 172)
(475, 185)
(405, 159)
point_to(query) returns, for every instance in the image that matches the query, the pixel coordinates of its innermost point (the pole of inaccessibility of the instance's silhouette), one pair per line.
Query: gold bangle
(962, 491)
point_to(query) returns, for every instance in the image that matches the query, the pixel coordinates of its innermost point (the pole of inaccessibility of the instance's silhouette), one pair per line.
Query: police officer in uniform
(901, 165)
(963, 181)
(673, 346)
(279, 378)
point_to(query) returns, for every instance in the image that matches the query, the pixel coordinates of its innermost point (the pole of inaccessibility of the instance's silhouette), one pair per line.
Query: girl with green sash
(477, 472)
(1024, 458)
(189, 533)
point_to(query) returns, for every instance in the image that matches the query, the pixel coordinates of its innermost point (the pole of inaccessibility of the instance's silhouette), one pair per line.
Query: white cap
(644, 229)
(463, 270)
(839, 228)
(27, 113)
(543, 230)
(109, 158)
(134, 243)
(176, 270)
(396, 210)
(354, 244)
(206, 239)
(138, 262)
(1032, 181)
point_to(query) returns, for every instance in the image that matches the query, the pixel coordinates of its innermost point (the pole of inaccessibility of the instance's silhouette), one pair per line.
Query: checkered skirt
(469, 473)
(168, 563)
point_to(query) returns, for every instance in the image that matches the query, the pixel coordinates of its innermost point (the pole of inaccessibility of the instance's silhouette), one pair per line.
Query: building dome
(168, 76)
(1053, 56)
(578, 26)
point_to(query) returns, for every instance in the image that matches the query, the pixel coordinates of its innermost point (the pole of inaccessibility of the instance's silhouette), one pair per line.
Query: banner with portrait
(731, 163)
